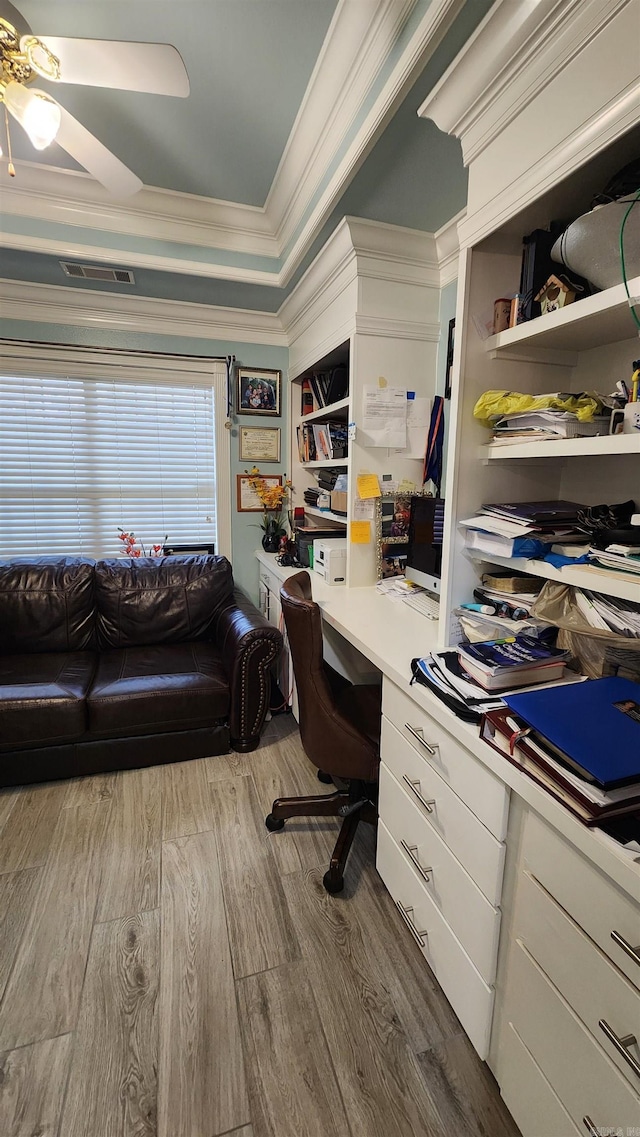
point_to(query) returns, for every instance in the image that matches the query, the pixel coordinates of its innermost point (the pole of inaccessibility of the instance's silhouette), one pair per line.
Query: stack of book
(323, 388)
(581, 743)
(446, 677)
(507, 529)
(621, 558)
(532, 426)
(516, 661)
(325, 441)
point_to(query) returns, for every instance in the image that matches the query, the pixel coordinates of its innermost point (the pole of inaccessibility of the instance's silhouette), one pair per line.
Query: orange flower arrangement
(272, 499)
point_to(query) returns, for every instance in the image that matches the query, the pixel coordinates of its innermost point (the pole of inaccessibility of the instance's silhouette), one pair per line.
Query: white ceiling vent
(98, 272)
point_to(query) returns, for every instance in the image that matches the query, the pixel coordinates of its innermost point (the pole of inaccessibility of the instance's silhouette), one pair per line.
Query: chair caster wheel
(273, 824)
(325, 778)
(331, 884)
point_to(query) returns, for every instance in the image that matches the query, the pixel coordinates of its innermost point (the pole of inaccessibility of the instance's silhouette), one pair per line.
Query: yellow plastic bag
(494, 404)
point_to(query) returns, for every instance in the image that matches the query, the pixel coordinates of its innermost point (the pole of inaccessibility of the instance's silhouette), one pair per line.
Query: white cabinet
(569, 1002)
(270, 606)
(439, 855)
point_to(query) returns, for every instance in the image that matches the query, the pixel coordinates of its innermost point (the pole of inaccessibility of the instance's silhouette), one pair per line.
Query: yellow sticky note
(360, 532)
(368, 485)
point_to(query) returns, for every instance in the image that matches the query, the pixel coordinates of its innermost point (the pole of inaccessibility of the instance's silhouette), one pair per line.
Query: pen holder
(631, 421)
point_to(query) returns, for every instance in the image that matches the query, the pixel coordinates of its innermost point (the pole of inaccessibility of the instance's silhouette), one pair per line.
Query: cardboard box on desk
(339, 501)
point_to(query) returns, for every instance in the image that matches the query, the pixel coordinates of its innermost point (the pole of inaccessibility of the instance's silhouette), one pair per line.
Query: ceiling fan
(155, 68)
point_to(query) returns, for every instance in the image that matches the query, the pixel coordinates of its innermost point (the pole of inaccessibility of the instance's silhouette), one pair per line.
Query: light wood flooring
(168, 968)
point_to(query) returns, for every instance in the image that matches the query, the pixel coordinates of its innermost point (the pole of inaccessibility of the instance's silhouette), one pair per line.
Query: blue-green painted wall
(245, 533)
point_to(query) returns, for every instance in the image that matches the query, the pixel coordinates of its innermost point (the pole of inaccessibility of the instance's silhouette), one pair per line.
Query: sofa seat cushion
(43, 697)
(140, 690)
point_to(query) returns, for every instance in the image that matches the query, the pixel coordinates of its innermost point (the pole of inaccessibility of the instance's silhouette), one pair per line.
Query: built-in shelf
(563, 447)
(326, 514)
(326, 463)
(325, 412)
(600, 319)
(622, 585)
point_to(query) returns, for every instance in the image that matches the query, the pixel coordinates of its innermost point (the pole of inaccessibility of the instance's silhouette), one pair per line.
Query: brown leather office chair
(339, 727)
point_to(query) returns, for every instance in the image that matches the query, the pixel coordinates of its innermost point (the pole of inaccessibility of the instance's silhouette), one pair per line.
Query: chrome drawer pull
(622, 1045)
(428, 803)
(418, 734)
(410, 850)
(419, 937)
(591, 1128)
(634, 952)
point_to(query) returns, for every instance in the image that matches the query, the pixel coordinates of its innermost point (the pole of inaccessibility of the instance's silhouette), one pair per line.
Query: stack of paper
(532, 425)
(627, 561)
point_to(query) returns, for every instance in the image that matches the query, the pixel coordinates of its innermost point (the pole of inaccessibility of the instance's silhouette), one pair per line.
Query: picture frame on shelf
(247, 500)
(259, 444)
(393, 513)
(451, 342)
(258, 391)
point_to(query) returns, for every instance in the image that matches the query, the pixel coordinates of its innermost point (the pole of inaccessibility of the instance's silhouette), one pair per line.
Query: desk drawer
(470, 997)
(588, 896)
(533, 1104)
(470, 842)
(485, 794)
(592, 986)
(585, 1080)
(471, 917)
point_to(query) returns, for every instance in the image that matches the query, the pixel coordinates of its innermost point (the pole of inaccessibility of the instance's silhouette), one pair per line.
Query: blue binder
(593, 726)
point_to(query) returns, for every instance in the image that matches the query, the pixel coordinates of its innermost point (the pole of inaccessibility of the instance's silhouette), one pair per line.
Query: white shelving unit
(326, 464)
(334, 410)
(325, 514)
(369, 302)
(587, 346)
(622, 585)
(617, 444)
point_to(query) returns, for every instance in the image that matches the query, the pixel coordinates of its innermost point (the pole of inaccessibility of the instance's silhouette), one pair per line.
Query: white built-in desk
(469, 848)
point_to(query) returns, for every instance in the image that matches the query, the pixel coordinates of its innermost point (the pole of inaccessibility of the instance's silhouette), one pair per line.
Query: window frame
(62, 361)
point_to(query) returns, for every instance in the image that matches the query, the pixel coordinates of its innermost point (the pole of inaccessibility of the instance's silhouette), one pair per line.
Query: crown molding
(113, 256)
(516, 50)
(354, 50)
(358, 249)
(75, 198)
(611, 121)
(426, 37)
(447, 240)
(397, 329)
(58, 304)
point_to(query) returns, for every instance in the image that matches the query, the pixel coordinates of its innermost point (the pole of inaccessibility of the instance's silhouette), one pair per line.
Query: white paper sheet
(418, 415)
(384, 420)
(364, 508)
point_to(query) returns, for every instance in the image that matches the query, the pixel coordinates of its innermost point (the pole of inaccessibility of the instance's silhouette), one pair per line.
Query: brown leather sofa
(121, 663)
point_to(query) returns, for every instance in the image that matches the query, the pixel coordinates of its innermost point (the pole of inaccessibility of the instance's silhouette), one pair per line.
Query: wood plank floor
(168, 968)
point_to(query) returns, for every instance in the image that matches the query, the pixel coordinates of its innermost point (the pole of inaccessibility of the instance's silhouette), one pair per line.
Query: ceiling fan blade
(90, 153)
(155, 68)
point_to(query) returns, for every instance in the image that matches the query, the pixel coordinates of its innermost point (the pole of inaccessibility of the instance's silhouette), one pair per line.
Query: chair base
(354, 806)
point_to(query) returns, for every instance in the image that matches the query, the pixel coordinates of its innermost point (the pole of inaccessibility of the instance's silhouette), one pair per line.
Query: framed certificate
(247, 500)
(259, 444)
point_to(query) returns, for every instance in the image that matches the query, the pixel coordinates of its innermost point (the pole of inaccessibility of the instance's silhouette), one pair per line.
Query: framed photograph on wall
(451, 339)
(259, 444)
(258, 391)
(247, 500)
(393, 513)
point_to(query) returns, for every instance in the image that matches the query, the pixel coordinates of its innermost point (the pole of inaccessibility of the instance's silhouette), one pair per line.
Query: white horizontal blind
(80, 457)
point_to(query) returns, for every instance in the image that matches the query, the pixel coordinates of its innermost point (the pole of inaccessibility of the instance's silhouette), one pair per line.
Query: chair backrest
(330, 739)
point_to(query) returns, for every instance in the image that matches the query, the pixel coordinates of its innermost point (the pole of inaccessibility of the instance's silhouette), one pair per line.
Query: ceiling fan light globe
(40, 58)
(38, 115)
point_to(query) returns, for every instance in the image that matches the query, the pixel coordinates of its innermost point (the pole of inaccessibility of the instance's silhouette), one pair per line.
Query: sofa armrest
(249, 645)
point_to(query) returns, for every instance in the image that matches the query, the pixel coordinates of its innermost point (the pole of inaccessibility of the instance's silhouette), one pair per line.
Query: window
(117, 441)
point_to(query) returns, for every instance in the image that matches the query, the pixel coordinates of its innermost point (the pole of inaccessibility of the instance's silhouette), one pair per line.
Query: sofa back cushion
(46, 604)
(159, 600)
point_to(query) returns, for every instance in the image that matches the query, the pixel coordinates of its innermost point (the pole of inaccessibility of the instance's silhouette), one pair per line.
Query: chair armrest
(249, 645)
